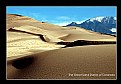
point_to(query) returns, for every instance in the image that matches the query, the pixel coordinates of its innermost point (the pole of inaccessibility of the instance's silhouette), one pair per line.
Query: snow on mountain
(79, 22)
(102, 19)
(115, 18)
(113, 29)
(97, 18)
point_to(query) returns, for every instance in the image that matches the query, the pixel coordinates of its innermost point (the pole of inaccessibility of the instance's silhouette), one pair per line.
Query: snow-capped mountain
(105, 25)
(97, 18)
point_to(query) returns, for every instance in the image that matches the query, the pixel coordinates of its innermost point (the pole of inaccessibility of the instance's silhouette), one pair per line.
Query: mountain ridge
(98, 24)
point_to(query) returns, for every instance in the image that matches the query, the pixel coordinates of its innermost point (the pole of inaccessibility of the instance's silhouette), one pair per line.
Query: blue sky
(62, 15)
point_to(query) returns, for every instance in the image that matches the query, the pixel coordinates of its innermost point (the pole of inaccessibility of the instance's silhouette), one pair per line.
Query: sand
(49, 59)
(57, 64)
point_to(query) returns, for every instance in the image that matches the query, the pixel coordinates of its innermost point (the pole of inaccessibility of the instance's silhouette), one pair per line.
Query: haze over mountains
(106, 25)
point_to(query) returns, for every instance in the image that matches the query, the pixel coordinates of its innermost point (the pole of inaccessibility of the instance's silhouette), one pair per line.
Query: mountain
(105, 25)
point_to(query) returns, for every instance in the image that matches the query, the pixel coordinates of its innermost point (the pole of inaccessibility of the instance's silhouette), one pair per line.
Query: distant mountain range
(105, 25)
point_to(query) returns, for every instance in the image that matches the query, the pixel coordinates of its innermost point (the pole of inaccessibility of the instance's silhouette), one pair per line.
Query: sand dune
(74, 37)
(82, 34)
(22, 43)
(34, 52)
(57, 64)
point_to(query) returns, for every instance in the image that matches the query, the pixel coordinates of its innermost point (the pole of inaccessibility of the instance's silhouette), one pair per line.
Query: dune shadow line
(84, 42)
(40, 35)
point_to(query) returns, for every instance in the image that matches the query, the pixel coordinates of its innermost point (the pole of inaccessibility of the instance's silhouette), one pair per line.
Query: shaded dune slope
(57, 64)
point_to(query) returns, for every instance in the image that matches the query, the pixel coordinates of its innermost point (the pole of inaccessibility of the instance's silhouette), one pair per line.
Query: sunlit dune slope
(22, 43)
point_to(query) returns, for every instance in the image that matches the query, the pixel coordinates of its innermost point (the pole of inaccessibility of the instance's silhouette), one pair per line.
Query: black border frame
(5, 3)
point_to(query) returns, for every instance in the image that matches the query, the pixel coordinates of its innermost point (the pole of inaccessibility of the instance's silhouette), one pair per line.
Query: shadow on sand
(84, 42)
